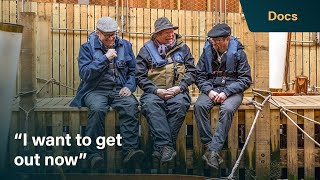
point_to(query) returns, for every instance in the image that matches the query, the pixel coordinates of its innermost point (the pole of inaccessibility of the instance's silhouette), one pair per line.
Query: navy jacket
(236, 66)
(93, 63)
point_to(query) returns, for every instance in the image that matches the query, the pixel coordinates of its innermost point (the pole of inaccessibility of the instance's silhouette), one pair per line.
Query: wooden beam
(28, 75)
(263, 123)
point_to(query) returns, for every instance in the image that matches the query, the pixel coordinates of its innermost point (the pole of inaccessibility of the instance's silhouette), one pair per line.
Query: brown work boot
(212, 159)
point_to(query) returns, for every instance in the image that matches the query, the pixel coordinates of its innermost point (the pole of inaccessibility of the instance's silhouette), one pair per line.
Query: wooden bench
(54, 116)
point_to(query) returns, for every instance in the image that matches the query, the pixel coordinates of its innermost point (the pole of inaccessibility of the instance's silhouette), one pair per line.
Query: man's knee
(228, 108)
(130, 101)
(98, 108)
(150, 100)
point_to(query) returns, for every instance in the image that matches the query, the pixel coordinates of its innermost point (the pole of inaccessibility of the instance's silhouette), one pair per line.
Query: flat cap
(219, 30)
(107, 24)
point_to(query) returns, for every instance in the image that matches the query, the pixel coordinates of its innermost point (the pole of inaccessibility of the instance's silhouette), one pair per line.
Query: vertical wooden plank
(292, 62)
(153, 18)
(97, 15)
(62, 49)
(110, 123)
(233, 142)
(306, 54)
(317, 60)
(139, 37)
(91, 17)
(146, 141)
(250, 161)
(182, 147)
(1, 10)
(57, 130)
(43, 49)
(292, 148)
(198, 164)
(195, 31)
(299, 53)
(263, 124)
(76, 43)
(313, 62)
(69, 48)
(104, 10)
(13, 12)
(41, 130)
(55, 47)
(28, 74)
(275, 144)
(133, 28)
(84, 23)
(175, 18)
(188, 28)
(160, 13)
(214, 116)
(74, 117)
(309, 148)
(6, 12)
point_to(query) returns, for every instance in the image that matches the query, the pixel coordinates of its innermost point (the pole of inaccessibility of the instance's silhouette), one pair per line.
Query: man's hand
(220, 97)
(111, 54)
(175, 89)
(165, 94)
(212, 95)
(124, 92)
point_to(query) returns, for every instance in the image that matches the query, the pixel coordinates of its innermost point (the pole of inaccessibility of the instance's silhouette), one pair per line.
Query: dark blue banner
(282, 15)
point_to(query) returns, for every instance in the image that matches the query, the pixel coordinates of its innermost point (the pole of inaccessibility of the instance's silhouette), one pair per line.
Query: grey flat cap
(220, 30)
(162, 24)
(107, 24)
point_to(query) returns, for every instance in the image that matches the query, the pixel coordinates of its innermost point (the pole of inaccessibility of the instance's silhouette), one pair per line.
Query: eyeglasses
(108, 35)
(217, 40)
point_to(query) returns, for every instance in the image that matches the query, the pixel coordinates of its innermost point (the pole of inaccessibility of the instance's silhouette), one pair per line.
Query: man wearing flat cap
(107, 71)
(223, 74)
(165, 69)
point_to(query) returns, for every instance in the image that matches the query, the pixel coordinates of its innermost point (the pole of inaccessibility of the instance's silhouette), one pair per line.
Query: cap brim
(164, 28)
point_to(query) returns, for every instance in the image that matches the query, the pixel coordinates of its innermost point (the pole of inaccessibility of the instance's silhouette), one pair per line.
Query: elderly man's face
(107, 38)
(220, 43)
(165, 36)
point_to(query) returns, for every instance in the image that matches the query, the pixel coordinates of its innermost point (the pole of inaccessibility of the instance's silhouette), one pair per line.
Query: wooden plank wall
(57, 49)
(289, 150)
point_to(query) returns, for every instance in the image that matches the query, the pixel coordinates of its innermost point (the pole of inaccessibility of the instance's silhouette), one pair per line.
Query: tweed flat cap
(107, 24)
(219, 30)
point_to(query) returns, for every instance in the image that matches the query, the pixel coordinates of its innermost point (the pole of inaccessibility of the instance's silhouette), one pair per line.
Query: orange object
(301, 85)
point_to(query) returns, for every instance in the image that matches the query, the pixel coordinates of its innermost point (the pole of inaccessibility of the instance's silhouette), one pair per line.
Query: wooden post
(209, 5)
(28, 75)
(263, 123)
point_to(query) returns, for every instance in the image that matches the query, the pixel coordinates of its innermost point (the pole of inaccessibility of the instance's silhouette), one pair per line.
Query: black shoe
(97, 162)
(135, 155)
(212, 159)
(167, 153)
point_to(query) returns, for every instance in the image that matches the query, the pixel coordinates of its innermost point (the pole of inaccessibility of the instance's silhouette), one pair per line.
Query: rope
(235, 167)
(283, 111)
(259, 107)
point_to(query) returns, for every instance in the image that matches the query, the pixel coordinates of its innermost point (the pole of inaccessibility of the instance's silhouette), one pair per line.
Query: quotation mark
(82, 155)
(18, 136)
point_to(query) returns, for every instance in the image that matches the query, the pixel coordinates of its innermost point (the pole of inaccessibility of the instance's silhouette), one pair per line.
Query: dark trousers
(127, 108)
(165, 117)
(202, 108)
